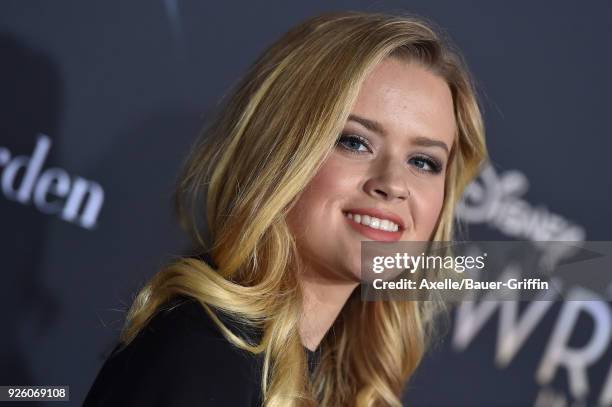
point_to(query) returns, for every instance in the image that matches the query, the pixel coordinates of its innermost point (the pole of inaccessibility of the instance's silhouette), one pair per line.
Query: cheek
(324, 195)
(316, 218)
(335, 178)
(333, 182)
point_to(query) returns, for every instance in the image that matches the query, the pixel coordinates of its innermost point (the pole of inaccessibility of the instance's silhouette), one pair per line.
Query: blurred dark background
(100, 102)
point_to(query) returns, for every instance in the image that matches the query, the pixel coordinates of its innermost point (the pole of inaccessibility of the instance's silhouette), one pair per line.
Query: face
(385, 179)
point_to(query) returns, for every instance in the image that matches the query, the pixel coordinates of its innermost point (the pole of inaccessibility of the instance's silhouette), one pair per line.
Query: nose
(388, 182)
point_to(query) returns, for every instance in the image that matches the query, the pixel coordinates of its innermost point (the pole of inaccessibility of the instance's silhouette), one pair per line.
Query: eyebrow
(376, 127)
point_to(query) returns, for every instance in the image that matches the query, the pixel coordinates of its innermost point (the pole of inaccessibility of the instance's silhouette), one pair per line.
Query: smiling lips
(375, 224)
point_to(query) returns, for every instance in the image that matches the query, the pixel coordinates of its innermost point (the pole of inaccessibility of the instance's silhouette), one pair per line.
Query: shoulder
(180, 358)
(183, 330)
(184, 321)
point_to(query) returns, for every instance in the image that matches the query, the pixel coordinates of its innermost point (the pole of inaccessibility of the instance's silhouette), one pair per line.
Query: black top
(181, 358)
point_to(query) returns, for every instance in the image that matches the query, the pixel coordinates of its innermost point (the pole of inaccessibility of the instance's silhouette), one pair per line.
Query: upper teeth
(374, 223)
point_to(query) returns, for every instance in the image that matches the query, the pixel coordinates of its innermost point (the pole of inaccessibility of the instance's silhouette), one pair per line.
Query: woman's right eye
(353, 143)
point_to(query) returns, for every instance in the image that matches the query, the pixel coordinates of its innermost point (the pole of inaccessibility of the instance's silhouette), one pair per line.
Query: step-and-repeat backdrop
(100, 101)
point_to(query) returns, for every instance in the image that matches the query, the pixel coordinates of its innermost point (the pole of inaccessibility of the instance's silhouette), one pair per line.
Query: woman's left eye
(426, 164)
(353, 143)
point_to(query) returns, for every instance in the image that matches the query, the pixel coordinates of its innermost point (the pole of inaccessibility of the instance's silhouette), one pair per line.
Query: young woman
(352, 127)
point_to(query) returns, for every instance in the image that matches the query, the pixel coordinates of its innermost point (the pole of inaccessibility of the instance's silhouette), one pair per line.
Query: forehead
(408, 100)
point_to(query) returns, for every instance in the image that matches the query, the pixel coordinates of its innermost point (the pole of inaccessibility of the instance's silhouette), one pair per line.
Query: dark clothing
(181, 358)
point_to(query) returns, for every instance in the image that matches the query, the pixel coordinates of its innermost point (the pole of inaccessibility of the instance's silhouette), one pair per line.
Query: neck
(323, 300)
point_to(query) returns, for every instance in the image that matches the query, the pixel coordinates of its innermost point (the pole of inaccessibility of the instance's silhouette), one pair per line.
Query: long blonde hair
(249, 167)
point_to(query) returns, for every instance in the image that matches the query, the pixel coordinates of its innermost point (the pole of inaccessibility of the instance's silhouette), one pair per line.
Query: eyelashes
(433, 164)
(356, 144)
(345, 139)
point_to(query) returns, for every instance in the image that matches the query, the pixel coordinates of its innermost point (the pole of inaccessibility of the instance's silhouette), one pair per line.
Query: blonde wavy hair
(249, 167)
